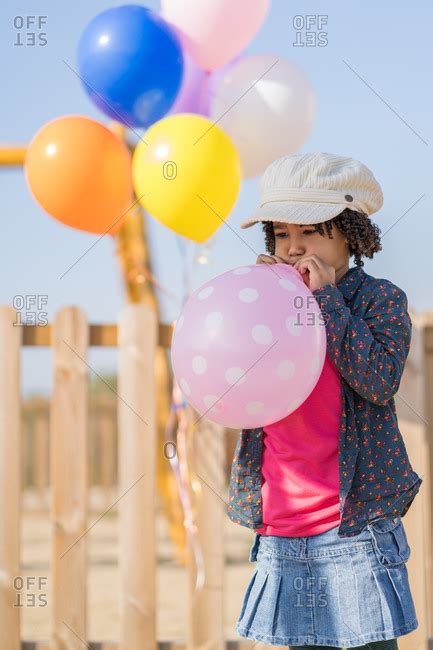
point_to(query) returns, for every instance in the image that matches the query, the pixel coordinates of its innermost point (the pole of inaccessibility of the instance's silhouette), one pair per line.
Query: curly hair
(362, 234)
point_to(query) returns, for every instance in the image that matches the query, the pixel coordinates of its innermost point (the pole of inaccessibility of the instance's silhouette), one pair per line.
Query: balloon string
(185, 477)
(179, 465)
(186, 430)
(184, 250)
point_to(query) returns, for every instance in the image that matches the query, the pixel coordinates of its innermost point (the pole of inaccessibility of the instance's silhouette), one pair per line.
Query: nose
(295, 250)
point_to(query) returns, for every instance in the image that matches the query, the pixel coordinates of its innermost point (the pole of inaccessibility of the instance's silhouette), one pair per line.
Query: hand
(315, 272)
(270, 259)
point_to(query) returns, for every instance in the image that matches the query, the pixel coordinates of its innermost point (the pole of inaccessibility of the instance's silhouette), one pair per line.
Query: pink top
(300, 479)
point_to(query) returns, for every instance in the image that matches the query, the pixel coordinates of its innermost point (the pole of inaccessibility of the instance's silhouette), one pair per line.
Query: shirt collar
(350, 281)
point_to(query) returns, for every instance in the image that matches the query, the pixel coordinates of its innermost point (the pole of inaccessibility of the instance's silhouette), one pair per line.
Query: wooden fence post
(137, 341)
(414, 405)
(10, 479)
(206, 606)
(107, 439)
(41, 446)
(68, 471)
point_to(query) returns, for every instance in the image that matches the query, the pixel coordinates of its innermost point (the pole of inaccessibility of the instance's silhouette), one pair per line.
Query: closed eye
(305, 232)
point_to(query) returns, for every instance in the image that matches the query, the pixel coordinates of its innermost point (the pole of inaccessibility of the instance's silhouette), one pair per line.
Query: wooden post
(137, 341)
(68, 470)
(106, 431)
(10, 480)
(428, 391)
(414, 405)
(206, 606)
(40, 446)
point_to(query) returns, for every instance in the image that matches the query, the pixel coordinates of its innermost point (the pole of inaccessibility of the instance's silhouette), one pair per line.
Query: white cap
(315, 187)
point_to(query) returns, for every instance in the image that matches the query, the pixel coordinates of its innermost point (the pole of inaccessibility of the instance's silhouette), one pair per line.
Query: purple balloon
(212, 80)
(192, 96)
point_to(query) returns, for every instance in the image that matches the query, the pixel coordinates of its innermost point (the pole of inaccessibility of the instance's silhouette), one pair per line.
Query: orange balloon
(79, 172)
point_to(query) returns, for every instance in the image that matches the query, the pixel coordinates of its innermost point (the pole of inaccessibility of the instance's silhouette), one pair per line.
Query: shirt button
(348, 197)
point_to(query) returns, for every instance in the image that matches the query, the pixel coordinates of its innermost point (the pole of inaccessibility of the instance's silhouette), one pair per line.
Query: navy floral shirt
(368, 333)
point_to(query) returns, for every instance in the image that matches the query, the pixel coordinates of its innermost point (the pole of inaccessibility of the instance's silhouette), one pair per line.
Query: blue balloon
(131, 64)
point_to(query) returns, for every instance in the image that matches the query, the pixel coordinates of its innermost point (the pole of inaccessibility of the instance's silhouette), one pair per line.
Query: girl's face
(293, 241)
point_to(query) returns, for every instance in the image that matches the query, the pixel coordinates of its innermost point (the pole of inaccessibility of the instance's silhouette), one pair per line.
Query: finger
(308, 263)
(296, 264)
(266, 259)
(316, 260)
(303, 259)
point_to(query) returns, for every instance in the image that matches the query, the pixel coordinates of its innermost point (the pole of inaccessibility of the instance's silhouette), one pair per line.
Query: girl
(326, 487)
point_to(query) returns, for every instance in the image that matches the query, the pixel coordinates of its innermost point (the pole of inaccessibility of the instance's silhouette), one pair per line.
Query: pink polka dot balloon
(249, 345)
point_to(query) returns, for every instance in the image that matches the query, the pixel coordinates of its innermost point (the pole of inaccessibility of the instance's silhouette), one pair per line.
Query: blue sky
(374, 102)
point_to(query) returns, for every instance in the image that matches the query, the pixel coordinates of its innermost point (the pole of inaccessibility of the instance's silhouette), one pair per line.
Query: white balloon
(266, 105)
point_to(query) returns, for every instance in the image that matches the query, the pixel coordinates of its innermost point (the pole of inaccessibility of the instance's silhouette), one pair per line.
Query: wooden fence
(133, 459)
(102, 442)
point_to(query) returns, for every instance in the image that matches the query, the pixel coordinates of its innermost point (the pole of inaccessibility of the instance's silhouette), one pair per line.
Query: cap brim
(291, 212)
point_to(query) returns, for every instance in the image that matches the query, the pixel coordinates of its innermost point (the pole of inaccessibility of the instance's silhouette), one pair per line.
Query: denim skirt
(329, 590)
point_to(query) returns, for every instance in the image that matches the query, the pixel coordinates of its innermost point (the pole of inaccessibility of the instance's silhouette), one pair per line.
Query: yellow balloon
(187, 173)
